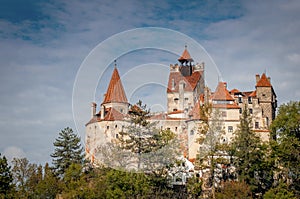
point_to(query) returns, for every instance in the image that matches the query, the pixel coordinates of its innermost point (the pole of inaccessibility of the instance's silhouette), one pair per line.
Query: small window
(256, 125)
(186, 99)
(107, 127)
(176, 99)
(240, 100)
(121, 110)
(176, 128)
(251, 111)
(230, 128)
(117, 135)
(250, 100)
(116, 126)
(241, 111)
(175, 109)
(224, 113)
(192, 132)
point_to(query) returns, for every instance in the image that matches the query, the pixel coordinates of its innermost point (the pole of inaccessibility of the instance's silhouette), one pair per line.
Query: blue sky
(44, 43)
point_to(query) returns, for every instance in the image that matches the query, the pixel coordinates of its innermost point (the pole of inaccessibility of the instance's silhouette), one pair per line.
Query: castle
(186, 92)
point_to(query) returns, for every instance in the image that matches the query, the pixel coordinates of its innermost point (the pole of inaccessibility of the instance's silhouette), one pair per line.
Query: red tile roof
(222, 93)
(263, 82)
(235, 91)
(185, 56)
(253, 94)
(227, 106)
(115, 91)
(190, 81)
(113, 115)
(176, 112)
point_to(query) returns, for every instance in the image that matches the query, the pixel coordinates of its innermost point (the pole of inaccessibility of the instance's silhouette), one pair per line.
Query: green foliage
(279, 192)
(210, 133)
(139, 114)
(26, 177)
(75, 184)
(68, 150)
(121, 184)
(251, 156)
(286, 144)
(5, 177)
(48, 187)
(211, 149)
(194, 187)
(234, 190)
(146, 144)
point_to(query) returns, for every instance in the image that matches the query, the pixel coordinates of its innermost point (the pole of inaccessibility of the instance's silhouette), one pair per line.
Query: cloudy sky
(45, 43)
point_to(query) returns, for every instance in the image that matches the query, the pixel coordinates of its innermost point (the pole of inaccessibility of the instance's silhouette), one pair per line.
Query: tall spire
(115, 91)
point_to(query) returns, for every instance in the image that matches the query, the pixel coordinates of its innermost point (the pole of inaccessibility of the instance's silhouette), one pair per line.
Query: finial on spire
(185, 46)
(115, 61)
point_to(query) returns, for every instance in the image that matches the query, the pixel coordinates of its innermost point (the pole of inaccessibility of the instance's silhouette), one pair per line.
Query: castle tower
(266, 97)
(186, 83)
(105, 125)
(115, 96)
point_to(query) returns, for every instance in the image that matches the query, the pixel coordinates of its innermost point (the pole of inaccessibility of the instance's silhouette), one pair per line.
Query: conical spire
(185, 57)
(115, 91)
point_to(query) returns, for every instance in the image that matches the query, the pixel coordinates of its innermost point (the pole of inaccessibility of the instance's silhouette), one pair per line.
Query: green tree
(48, 187)
(122, 184)
(6, 178)
(279, 192)
(251, 156)
(68, 150)
(234, 190)
(25, 177)
(286, 144)
(142, 139)
(75, 183)
(211, 132)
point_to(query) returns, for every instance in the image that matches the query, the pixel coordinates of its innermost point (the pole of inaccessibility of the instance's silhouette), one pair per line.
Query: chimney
(93, 111)
(257, 77)
(269, 78)
(102, 112)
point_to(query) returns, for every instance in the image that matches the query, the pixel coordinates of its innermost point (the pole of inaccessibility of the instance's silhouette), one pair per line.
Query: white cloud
(13, 152)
